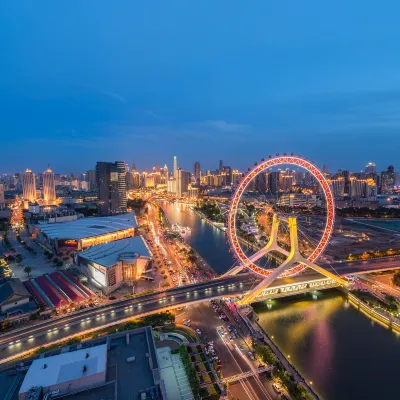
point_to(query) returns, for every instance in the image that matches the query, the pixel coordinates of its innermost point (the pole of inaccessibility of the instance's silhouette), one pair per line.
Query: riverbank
(384, 320)
(218, 225)
(251, 320)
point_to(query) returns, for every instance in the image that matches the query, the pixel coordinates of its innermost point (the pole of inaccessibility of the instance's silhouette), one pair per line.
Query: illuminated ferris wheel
(279, 198)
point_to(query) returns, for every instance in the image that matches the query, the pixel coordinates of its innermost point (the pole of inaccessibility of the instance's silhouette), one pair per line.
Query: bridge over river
(24, 340)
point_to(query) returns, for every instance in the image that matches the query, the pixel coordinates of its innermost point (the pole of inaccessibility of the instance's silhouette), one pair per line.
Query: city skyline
(291, 82)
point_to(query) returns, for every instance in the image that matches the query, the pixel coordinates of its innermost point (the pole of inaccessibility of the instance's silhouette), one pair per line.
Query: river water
(342, 352)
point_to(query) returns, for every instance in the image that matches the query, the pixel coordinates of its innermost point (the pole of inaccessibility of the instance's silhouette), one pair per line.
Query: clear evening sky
(82, 81)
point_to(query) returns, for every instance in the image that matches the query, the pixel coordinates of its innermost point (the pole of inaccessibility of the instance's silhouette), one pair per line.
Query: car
(277, 388)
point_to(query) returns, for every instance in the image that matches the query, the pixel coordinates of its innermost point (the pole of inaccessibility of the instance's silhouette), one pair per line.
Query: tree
(28, 270)
(396, 278)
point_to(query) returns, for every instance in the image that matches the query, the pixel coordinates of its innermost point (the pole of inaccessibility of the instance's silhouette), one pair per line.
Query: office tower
(370, 168)
(129, 180)
(91, 179)
(286, 182)
(2, 201)
(221, 166)
(28, 186)
(261, 182)
(49, 187)
(111, 187)
(227, 170)
(175, 167)
(136, 179)
(133, 166)
(273, 181)
(197, 172)
(182, 182)
(387, 180)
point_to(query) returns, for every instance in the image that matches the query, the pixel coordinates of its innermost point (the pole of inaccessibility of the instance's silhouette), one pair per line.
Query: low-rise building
(110, 265)
(85, 232)
(15, 300)
(67, 372)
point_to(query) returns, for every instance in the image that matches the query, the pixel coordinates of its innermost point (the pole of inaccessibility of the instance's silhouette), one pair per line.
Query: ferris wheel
(274, 194)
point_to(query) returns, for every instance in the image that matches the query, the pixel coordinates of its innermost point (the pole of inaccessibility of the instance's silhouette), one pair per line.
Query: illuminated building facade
(182, 182)
(29, 186)
(388, 181)
(85, 232)
(111, 187)
(49, 187)
(108, 266)
(338, 185)
(197, 172)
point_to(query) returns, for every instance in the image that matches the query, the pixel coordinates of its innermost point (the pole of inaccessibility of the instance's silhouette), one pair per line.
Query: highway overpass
(18, 342)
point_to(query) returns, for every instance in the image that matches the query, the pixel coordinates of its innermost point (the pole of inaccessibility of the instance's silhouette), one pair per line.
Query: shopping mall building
(110, 265)
(84, 233)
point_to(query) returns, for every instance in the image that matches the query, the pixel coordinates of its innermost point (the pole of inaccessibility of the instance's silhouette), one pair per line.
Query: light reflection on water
(345, 354)
(333, 345)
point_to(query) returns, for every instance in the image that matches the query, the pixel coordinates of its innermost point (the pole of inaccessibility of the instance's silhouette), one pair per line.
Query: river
(342, 352)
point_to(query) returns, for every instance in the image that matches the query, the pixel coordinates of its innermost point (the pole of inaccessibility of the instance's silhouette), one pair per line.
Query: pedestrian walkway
(173, 373)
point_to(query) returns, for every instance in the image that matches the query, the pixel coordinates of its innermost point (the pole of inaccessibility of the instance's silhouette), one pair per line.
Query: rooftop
(12, 288)
(108, 254)
(89, 227)
(65, 367)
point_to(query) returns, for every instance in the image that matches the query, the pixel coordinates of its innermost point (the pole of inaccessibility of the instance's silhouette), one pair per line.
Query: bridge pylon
(294, 257)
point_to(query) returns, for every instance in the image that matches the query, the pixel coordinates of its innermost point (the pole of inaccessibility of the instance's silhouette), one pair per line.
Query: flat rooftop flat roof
(88, 227)
(65, 367)
(108, 254)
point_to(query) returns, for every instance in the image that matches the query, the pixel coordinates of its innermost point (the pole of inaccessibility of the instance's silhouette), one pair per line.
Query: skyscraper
(175, 166)
(49, 187)
(370, 168)
(91, 178)
(2, 202)
(197, 172)
(111, 187)
(387, 180)
(29, 186)
(221, 166)
(182, 182)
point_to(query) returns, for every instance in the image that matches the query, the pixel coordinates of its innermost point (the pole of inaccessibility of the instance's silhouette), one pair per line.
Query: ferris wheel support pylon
(272, 245)
(293, 258)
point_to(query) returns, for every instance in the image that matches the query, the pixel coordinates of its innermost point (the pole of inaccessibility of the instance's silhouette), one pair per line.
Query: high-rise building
(388, 180)
(49, 187)
(2, 201)
(273, 181)
(182, 182)
(338, 186)
(91, 179)
(197, 172)
(29, 186)
(221, 166)
(260, 182)
(175, 167)
(370, 168)
(111, 187)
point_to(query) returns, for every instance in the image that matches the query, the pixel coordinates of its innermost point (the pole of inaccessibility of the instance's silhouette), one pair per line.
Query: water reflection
(334, 346)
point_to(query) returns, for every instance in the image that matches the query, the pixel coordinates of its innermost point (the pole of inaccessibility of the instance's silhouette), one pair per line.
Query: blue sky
(83, 81)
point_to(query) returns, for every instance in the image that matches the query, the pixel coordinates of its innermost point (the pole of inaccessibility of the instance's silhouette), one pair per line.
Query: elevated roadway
(20, 341)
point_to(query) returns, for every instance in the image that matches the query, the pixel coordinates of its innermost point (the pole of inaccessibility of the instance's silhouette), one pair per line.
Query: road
(30, 337)
(202, 316)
